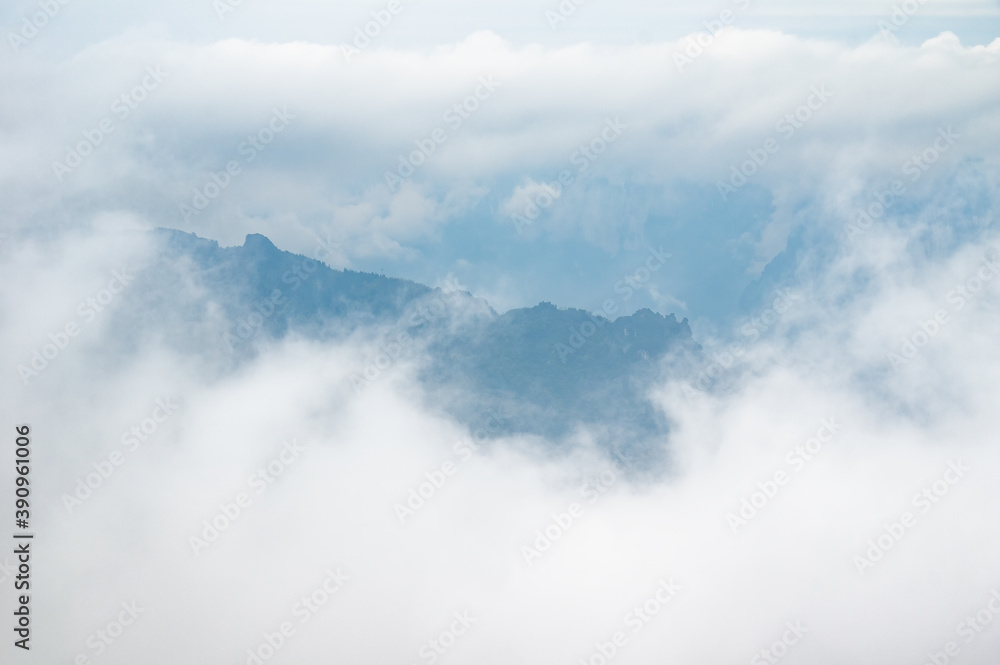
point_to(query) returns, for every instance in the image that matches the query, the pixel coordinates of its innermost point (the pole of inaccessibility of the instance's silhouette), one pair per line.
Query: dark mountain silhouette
(546, 370)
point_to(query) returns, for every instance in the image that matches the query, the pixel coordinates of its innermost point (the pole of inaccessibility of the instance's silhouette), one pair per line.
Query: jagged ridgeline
(543, 369)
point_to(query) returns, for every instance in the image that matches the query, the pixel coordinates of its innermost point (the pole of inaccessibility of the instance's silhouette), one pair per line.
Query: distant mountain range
(545, 370)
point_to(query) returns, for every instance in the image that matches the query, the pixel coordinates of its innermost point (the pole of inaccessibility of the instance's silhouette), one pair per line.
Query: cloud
(351, 123)
(546, 556)
(762, 135)
(830, 468)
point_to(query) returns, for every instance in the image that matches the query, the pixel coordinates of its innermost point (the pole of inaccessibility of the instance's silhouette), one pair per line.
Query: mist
(821, 504)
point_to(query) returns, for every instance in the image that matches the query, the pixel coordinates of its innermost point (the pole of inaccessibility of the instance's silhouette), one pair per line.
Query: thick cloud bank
(828, 503)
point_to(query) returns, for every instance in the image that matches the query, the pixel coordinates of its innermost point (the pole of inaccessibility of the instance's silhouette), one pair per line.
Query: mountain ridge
(551, 369)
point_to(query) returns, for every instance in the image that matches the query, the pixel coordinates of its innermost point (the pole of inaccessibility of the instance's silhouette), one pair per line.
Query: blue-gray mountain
(545, 370)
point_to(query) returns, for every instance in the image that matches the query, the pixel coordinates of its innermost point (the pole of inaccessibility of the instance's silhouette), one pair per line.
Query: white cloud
(352, 122)
(462, 551)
